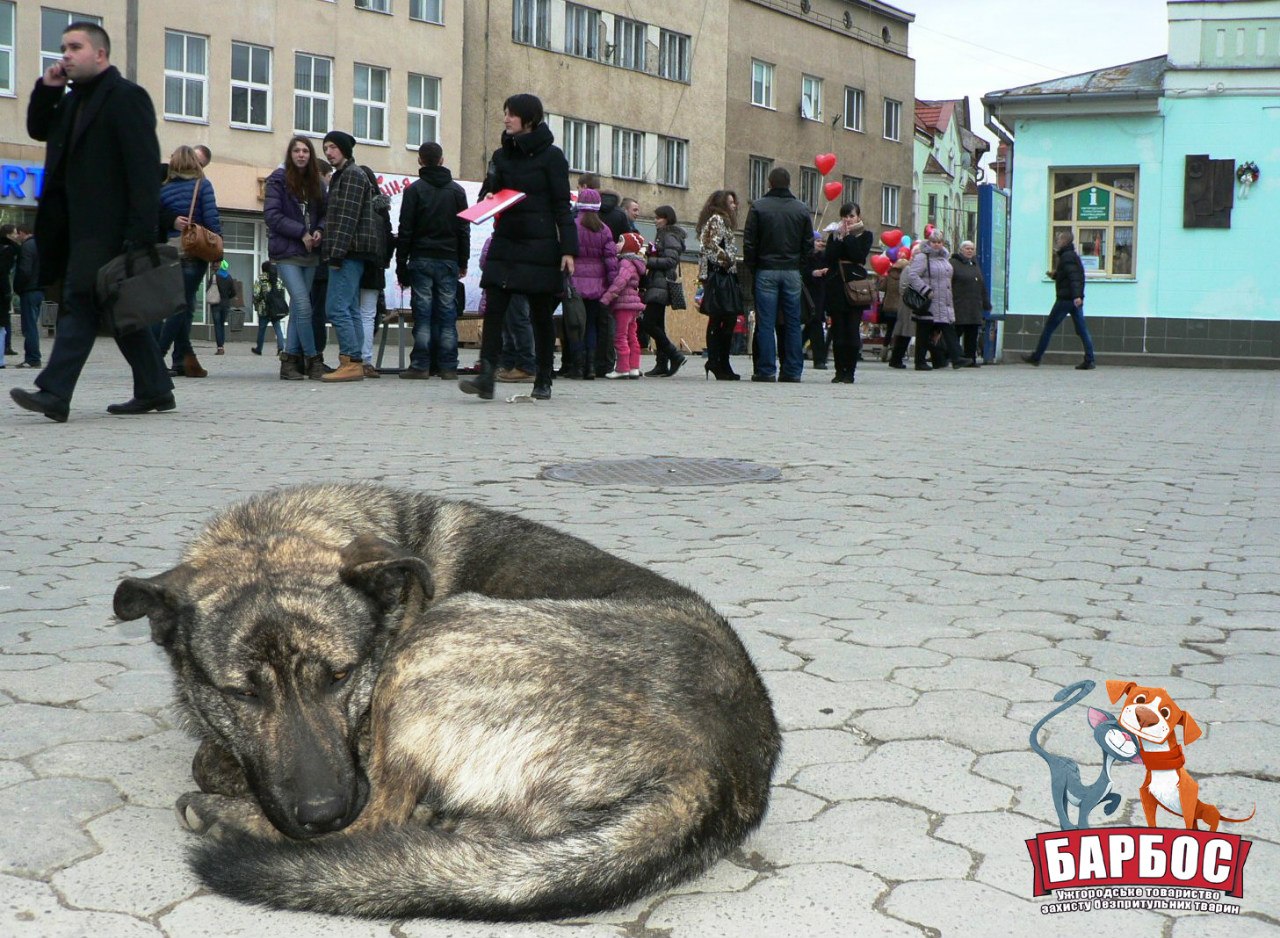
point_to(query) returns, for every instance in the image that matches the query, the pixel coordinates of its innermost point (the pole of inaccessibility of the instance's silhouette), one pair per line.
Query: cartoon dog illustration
(1152, 716)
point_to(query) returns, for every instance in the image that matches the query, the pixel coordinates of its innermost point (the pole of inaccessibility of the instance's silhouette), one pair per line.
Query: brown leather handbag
(857, 292)
(198, 241)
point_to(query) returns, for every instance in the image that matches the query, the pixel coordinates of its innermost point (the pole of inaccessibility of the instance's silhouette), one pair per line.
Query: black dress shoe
(1030, 359)
(925, 367)
(1086, 366)
(42, 402)
(766, 379)
(786, 380)
(135, 406)
(897, 365)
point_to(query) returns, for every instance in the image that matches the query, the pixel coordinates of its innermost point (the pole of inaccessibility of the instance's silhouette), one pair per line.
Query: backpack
(275, 303)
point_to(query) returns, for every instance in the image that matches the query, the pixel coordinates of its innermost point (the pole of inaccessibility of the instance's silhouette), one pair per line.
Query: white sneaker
(633, 373)
(615, 375)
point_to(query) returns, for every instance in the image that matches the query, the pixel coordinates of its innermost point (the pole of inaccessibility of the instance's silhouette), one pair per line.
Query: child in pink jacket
(624, 301)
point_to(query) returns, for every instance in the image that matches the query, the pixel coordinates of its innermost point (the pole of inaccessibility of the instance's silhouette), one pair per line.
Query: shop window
(1099, 208)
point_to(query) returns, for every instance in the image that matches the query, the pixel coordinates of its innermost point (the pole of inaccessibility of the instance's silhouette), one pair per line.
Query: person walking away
(433, 246)
(269, 303)
(26, 283)
(100, 194)
(1068, 282)
(717, 250)
(594, 269)
(534, 244)
(904, 327)
(185, 186)
(350, 241)
(930, 273)
(221, 292)
(972, 299)
(845, 258)
(663, 264)
(776, 244)
(624, 302)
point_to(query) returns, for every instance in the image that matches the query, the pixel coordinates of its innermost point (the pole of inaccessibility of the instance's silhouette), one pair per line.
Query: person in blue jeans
(777, 244)
(26, 283)
(1068, 279)
(433, 246)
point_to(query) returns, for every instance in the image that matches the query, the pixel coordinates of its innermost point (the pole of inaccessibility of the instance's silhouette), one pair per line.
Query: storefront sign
(1093, 204)
(20, 183)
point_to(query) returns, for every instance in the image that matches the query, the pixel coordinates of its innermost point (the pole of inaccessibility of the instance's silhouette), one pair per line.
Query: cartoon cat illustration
(1117, 745)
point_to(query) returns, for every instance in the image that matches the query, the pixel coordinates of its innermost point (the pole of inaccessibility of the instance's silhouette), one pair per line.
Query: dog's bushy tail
(413, 871)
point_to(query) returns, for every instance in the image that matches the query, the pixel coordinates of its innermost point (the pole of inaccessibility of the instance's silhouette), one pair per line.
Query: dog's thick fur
(449, 711)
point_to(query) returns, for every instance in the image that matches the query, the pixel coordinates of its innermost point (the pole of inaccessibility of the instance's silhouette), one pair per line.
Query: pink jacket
(624, 292)
(596, 265)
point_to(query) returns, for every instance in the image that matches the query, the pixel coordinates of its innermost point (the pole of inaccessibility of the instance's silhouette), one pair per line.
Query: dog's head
(1150, 713)
(276, 645)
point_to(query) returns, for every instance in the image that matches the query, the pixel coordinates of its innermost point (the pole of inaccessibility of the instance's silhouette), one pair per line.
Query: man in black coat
(100, 195)
(1068, 280)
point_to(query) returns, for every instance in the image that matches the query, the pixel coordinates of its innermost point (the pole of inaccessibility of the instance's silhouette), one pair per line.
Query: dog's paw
(197, 811)
(217, 815)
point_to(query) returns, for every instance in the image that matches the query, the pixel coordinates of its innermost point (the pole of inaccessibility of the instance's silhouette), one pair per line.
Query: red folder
(487, 208)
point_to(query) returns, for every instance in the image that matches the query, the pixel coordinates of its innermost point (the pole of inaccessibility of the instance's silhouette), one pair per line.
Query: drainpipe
(131, 40)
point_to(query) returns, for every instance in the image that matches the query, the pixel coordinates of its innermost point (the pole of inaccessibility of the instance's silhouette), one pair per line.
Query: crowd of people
(330, 241)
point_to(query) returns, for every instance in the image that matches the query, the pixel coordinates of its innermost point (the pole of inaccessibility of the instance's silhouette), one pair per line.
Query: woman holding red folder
(534, 241)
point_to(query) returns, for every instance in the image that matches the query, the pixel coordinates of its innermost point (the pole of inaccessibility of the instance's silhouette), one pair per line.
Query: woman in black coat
(850, 243)
(534, 241)
(664, 267)
(971, 298)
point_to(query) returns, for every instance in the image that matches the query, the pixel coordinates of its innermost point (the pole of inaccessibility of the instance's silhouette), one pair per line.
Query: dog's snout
(1146, 717)
(321, 813)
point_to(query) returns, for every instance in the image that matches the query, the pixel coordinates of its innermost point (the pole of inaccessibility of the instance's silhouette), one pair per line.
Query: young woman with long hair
(717, 249)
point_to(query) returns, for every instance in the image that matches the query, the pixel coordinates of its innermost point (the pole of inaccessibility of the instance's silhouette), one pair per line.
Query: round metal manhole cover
(662, 471)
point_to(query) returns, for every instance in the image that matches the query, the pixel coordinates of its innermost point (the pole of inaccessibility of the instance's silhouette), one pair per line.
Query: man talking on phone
(100, 196)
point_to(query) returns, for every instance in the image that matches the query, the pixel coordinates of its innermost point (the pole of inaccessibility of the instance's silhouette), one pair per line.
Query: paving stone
(28, 728)
(802, 748)
(848, 661)
(31, 909)
(216, 917)
(44, 817)
(971, 719)
(12, 772)
(803, 701)
(151, 771)
(59, 683)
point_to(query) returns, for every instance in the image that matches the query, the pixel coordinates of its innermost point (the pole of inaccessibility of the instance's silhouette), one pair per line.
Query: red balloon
(892, 237)
(904, 254)
(825, 162)
(832, 190)
(881, 264)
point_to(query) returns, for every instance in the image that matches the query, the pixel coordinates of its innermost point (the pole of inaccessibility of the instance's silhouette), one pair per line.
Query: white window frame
(311, 95)
(422, 113)
(628, 153)
(673, 55)
(582, 145)
(852, 188)
(811, 91)
(758, 169)
(184, 76)
(531, 23)
(765, 73)
(582, 32)
(810, 187)
(890, 204)
(370, 104)
(630, 43)
(421, 11)
(674, 167)
(8, 55)
(892, 120)
(858, 99)
(374, 6)
(49, 56)
(249, 86)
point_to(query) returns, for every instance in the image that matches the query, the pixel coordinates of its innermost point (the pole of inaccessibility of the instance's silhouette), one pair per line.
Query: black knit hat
(342, 140)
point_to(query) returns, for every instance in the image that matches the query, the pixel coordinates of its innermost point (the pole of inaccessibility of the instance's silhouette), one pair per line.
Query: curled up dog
(415, 707)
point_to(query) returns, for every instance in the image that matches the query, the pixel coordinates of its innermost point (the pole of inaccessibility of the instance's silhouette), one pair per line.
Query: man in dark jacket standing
(433, 246)
(776, 245)
(1068, 279)
(100, 195)
(26, 283)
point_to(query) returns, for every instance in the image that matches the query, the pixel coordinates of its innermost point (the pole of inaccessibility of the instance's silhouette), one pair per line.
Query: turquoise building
(1167, 172)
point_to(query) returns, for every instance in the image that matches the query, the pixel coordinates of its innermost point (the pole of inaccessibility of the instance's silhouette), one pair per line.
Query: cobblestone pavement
(942, 554)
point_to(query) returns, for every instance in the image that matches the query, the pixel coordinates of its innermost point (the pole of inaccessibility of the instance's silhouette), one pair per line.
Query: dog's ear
(1117, 689)
(160, 598)
(1190, 729)
(384, 570)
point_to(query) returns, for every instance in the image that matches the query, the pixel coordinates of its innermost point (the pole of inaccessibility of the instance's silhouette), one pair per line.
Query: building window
(424, 110)
(581, 146)
(761, 83)
(629, 43)
(186, 76)
(531, 22)
(250, 86)
(1099, 208)
(931, 213)
(312, 93)
(854, 103)
(811, 98)
(758, 176)
(673, 169)
(810, 184)
(889, 196)
(7, 27)
(892, 119)
(581, 31)
(852, 189)
(429, 11)
(673, 56)
(377, 6)
(369, 104)
(52, 23)
(628, 154)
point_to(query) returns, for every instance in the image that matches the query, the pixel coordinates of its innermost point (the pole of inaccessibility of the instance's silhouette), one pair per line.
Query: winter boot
(900, 343)
(541, 387)
(480, 384)
(349, 369)
(316, 369)
(291, 367)
(191, 366)
(660, 366)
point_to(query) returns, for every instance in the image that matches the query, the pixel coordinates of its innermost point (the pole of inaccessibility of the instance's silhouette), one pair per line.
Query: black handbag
(575, 313)
(140, 288)
(918, 302)
(721, 294)
(274, 301)
(675, 291)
